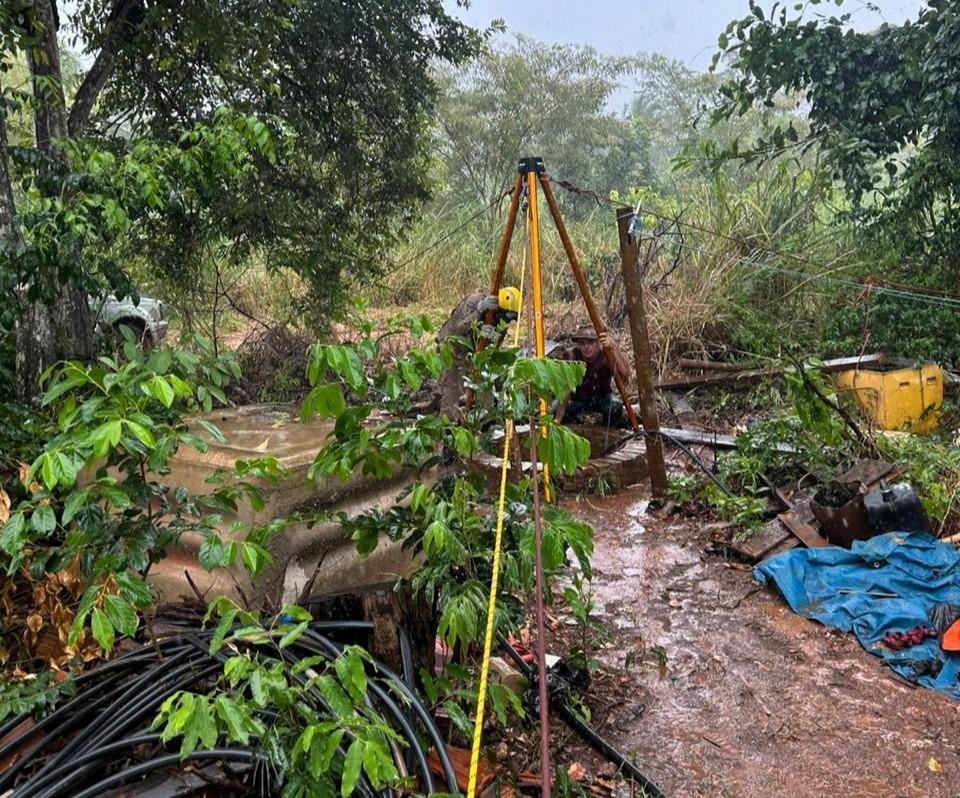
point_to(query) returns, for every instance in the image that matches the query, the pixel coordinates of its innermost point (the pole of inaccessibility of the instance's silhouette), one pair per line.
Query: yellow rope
(495, 579)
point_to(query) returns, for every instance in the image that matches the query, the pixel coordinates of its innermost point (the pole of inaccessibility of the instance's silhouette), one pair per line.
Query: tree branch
(122, 23)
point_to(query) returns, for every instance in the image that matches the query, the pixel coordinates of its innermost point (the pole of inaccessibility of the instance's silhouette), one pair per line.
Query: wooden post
(641, 352)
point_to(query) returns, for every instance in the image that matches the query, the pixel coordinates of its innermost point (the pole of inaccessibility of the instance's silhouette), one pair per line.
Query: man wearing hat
(595, 393)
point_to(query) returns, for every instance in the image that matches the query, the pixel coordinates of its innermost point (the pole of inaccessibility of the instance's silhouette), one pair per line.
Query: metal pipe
(546, 772)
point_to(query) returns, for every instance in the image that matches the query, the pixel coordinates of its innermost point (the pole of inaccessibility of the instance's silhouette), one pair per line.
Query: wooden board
(762, 542)
(868, 472)
(797, 522)
(460, 759)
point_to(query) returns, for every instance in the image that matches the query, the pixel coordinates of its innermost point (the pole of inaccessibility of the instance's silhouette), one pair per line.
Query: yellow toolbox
(903, 399)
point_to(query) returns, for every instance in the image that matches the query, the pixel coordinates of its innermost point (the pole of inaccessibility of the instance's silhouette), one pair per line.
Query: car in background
(144, 319)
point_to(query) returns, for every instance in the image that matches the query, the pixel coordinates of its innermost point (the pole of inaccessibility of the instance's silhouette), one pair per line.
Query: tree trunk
(9, 231)
(64, 329)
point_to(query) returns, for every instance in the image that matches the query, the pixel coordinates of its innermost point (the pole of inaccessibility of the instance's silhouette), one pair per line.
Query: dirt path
(753, 699)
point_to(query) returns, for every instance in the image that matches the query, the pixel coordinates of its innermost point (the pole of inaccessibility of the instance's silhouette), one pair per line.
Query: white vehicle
(145, 319)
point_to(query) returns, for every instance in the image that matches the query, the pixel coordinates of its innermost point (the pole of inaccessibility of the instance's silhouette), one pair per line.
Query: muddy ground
(752, 700)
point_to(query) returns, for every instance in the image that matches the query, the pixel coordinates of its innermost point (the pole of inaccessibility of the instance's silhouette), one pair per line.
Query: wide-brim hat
(585, 333)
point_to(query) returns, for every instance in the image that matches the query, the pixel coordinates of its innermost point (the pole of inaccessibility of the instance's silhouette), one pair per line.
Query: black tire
(115, 338)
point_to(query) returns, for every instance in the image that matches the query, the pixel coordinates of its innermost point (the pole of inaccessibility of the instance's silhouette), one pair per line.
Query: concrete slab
(302, 550)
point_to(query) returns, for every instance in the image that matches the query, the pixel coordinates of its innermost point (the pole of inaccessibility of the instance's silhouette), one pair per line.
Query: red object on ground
(899, 640)
(951, 637)
(525, 653)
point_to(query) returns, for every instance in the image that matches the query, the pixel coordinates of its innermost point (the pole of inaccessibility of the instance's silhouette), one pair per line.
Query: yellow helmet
(509, 299)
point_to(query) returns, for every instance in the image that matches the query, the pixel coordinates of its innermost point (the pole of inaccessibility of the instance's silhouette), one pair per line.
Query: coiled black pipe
(48, 782)
(142, 769)
(113, 713)
(395, 683)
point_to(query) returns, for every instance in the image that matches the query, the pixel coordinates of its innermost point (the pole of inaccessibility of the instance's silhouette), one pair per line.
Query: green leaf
(434, 538)
(254, 557)
(44, 519)
(106, 436)
(122, 615)
(133, 589)
(234, 718)
(223, 626)
(72, 505)
(214, 553)
(322, 752)
(67, 468)
(257, 688)
(46, 471)
(325, 401)
(12, 538)
(293, 635)
(160, 389)
(102, 629)
(352, 674)
(116, 497)
(141, 433)
(351, 768)
(335, 697)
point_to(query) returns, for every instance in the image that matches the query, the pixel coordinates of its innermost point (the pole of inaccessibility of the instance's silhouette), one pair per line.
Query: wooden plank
(794, 521)
(790, 543)
(716, 365)
(745, 377)
(762, 542)
(867, 472)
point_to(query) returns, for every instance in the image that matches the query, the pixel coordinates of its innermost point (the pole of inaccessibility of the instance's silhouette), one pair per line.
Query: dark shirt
(596, 380)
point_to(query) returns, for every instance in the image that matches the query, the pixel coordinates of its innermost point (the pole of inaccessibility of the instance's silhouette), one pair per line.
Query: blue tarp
(885, 584)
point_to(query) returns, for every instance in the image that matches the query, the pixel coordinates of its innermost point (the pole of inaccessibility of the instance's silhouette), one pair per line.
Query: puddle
(753, 700)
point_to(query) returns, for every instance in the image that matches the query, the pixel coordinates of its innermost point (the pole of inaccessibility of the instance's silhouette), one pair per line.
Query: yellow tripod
(530, 173)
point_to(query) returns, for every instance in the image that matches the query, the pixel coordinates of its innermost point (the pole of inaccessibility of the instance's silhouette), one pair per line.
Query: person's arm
(619, 361)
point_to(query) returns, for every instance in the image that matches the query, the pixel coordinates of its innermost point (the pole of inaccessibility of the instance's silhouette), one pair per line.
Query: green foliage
(315, 747)
(451, 522)
(125, 205)
(933, 468)
(361, 131)
(36, 696)
(896, 327)
(529, 98)
(97, 494)
(591, 633)
(682, 489)
(881, 106)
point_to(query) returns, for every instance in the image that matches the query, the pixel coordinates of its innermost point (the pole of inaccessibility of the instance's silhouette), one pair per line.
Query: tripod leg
(585, 293)
(501, 265)
(504, 247)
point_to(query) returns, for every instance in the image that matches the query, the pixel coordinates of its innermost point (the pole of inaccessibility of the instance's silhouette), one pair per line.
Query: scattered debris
(888, 584)
(800, 523)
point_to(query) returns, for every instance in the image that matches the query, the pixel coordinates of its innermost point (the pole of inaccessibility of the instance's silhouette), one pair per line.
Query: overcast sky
(683, 29)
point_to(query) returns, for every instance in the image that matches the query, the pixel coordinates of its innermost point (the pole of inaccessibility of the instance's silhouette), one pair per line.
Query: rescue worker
(467, 323)
(595, 394)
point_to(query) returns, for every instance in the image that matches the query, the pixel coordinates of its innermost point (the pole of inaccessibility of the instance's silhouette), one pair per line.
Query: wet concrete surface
(753, 700)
